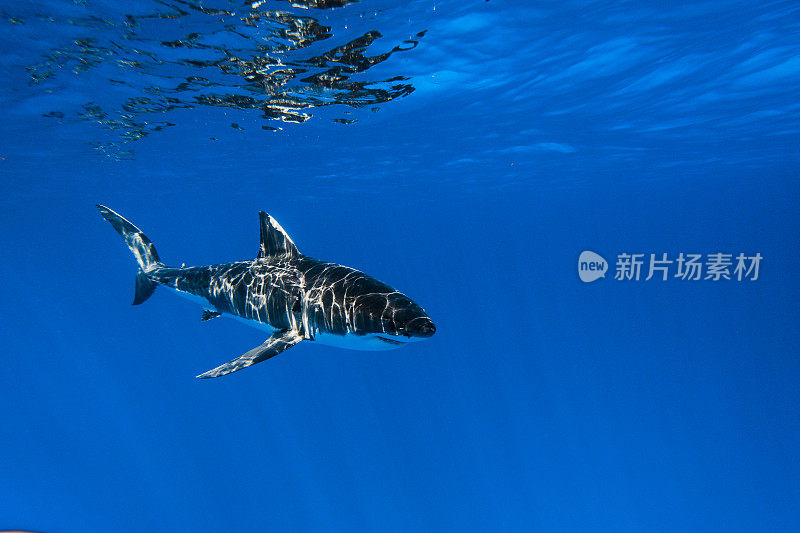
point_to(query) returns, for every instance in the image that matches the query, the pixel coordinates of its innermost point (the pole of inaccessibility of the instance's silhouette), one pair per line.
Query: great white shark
(290, 295)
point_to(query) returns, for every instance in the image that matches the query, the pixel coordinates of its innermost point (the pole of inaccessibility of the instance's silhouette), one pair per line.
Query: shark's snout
(421, 327)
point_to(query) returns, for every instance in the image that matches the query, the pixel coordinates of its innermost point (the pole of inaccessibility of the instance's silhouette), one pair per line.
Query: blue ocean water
(464, 152)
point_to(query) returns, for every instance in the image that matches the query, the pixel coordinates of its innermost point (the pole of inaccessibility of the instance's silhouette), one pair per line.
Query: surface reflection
(183, 54)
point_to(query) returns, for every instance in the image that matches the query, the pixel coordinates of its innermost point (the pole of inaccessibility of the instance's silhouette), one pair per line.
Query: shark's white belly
(189, 296)
(356, 342)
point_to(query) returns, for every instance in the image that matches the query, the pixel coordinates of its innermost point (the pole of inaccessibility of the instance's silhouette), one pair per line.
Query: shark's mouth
(389, 341)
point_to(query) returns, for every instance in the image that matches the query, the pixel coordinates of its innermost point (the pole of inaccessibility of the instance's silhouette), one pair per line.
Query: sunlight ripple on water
(182, 54)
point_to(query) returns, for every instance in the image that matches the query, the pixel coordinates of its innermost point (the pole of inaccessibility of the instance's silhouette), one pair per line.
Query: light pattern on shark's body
(292, 296)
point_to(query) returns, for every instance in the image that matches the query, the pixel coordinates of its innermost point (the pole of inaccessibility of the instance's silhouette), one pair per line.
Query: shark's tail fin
(142, 249)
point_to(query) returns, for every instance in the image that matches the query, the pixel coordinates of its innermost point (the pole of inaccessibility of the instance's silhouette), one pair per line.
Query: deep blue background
(542, 403)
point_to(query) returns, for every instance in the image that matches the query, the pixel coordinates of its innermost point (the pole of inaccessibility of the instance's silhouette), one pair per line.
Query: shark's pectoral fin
(277, 343)
(208, 315)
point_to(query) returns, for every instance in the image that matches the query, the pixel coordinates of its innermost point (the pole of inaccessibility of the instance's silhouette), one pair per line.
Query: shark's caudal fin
(142, 249)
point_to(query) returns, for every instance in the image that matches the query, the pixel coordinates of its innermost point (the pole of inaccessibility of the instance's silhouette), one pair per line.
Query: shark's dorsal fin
(274, 240)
